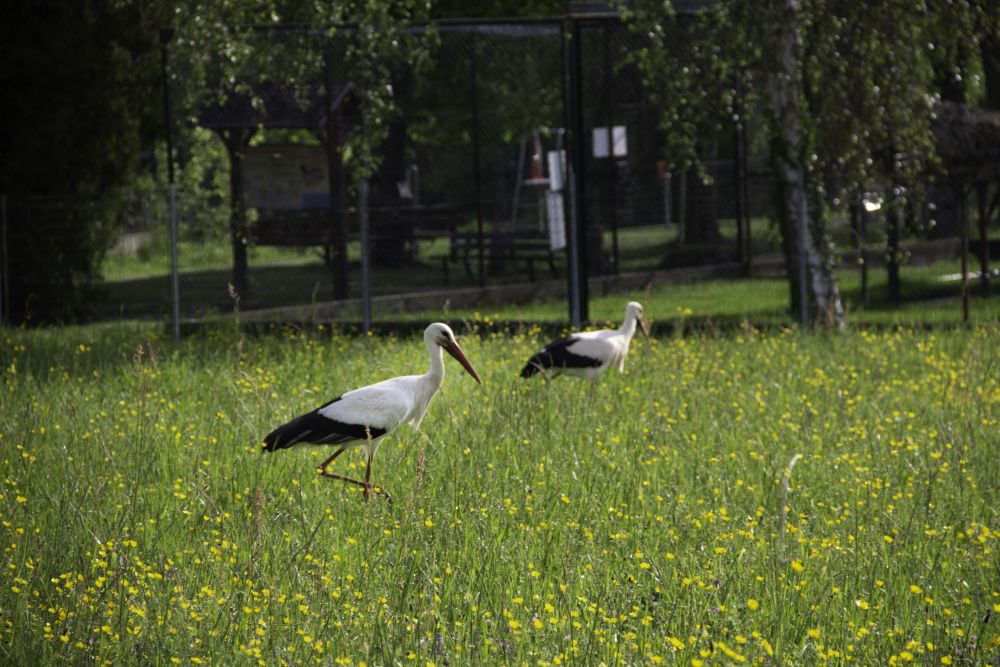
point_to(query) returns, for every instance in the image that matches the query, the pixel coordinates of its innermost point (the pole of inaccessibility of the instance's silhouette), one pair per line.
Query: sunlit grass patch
(659, 522)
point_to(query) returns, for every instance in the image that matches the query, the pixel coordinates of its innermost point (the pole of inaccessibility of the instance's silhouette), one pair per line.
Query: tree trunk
(892, 246)
(990, 52)
(982, 197)
(807, 249)
(702, 220)
(236, 141)
(332, 141)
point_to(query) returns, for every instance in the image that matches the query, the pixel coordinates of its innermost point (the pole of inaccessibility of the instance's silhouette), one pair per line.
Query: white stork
(361, 417)
(588, 354)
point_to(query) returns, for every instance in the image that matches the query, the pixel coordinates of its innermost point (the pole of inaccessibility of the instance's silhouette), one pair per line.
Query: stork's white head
(440, 334)
(633, 311)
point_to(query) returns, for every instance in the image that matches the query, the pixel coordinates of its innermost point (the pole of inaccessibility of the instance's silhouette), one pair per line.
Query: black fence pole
(4, 281)
(742, 186)
(166, 34)
(366, 295)
(577, 228)
(892, 244)
(865, 215)
(747, 210)
(801, 227)
(963, 226)
(476, 176)
(859, 228)
(612, 159)
(982, 199)
(682, 208)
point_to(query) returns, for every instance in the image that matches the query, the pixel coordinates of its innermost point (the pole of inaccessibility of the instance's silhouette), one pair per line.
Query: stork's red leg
(366, 485)
(325, 473)
(322, 466)
(332, 475)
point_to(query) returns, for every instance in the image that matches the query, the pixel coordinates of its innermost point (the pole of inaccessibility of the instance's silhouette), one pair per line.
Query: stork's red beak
(643, 327)
(454, 350)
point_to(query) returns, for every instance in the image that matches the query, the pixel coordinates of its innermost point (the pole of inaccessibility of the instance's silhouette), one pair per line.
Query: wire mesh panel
(902, 251)
(486, 116)
(472, 188)
(65, 259)
(461, 195)
(627, 189)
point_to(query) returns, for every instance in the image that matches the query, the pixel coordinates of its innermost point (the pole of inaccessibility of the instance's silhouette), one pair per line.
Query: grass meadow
(747, 497)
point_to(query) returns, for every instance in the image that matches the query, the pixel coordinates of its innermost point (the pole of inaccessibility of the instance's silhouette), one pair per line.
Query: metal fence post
(742, 200)
(963, 225)
(668, 200)
(175, 285)
(577, 236)
(982, 199)
(476, 166)
(803, 225)
(3, 260)
(366, 300)
(612, 157)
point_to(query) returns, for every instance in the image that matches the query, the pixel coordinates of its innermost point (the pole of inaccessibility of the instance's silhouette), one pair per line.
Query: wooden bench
(397, 231)
(501, 248)
(431, 222)
(515, 247)
(462, 247)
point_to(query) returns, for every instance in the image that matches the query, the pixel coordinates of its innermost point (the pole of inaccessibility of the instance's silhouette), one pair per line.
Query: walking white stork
(588, 354)
(361, 417)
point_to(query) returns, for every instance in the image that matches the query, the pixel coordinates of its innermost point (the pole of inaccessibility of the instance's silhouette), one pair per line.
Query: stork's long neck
(628, 326)
(436, 370)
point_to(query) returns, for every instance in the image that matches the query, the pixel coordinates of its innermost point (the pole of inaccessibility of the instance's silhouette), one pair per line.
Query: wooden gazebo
(968, 142)
(237, 119)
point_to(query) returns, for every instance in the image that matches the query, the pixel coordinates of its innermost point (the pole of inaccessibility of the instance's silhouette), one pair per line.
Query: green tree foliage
(865, 76)
(380, 50)
(458, 9)
(689, 70)
(221, 50)
(83, 102)
(228, 55)
(77, 81)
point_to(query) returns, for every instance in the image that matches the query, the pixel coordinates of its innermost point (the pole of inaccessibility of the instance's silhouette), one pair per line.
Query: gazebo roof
(279, 108)
(968, 140)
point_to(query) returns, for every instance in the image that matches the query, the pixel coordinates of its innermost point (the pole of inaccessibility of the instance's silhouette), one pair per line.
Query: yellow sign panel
(286, 177)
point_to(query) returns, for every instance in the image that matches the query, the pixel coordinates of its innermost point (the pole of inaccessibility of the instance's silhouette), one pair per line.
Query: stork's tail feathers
(317, 428)
(284, 436)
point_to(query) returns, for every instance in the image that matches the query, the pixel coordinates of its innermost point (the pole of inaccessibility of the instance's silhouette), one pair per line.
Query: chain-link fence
(474, 179)
(473, 191)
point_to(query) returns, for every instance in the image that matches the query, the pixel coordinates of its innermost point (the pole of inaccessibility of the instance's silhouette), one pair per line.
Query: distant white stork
(361, 417)
(588, 354)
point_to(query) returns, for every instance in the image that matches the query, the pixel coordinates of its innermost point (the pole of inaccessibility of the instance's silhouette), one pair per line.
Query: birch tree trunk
(807, 246)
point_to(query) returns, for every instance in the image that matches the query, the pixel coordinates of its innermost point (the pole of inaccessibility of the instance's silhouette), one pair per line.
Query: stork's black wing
(558, 354)
(319, 429)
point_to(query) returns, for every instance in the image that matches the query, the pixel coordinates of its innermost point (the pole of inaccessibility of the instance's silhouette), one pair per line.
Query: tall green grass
(659, 521)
